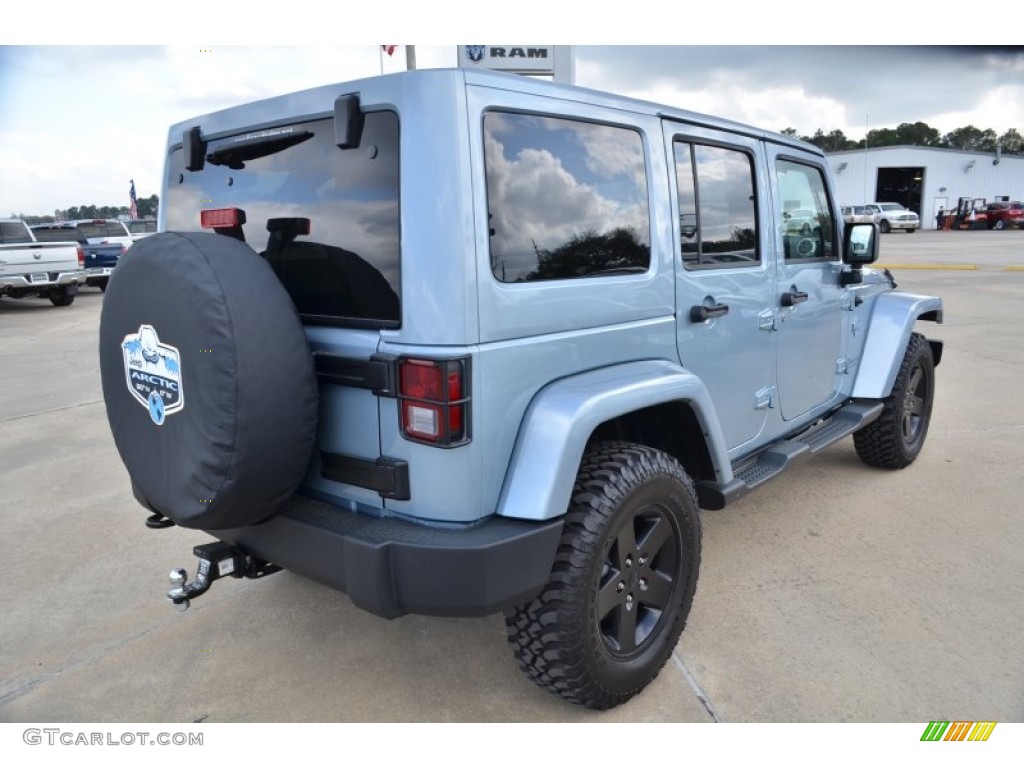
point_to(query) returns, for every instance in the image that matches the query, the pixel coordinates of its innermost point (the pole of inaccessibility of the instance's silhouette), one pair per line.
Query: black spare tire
(208, 380)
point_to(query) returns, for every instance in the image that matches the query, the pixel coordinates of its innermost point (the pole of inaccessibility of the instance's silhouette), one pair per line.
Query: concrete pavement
(835, 593)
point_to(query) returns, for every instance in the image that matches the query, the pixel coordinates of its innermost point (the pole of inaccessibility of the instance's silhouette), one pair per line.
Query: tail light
(433, 400)
(221, 218)
(81, 257)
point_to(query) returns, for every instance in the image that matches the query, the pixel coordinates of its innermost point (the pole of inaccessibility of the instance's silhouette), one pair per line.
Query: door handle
(792, 298)
(700, 313)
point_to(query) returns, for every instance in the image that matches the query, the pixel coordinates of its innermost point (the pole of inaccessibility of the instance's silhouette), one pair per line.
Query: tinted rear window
(59, 234)
(13, 232)
(346, 269)
(102, 229)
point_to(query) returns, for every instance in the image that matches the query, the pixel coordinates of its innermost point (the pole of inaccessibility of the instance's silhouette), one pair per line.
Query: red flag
(389, 49)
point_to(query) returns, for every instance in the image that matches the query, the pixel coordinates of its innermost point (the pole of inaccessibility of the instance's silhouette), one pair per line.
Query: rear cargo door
(326, 220)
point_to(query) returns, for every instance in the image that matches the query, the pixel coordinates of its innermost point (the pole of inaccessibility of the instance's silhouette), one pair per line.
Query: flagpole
(380, 57)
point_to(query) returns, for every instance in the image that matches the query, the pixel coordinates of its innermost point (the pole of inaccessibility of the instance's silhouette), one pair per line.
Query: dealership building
(925, 179)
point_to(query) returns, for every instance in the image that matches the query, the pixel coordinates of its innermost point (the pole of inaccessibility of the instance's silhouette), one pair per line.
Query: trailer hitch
(216, 560)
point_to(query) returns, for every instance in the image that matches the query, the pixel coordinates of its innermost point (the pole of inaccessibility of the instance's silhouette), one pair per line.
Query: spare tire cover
(208, 380)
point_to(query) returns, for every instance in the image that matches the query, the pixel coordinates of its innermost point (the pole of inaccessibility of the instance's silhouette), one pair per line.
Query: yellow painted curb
(1013, 269)
(960, 267)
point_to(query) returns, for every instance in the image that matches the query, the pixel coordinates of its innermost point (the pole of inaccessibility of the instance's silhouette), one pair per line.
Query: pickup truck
(104, 231)
(100, 257)
(141, 228)
(51, 270)
(892, 216)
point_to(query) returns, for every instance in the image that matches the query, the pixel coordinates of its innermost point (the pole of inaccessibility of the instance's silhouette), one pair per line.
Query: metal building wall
(949, 175)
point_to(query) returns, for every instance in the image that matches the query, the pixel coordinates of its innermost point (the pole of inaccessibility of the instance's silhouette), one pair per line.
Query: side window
(566, 199)
(808, 226)
(717, 211)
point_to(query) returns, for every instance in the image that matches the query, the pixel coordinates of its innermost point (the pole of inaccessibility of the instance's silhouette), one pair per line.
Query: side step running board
(784, 454)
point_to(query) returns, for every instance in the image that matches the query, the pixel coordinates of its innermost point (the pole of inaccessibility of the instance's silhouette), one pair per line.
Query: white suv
(892, 216)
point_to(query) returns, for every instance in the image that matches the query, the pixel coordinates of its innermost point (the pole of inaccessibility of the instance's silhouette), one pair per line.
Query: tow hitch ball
(216, 560)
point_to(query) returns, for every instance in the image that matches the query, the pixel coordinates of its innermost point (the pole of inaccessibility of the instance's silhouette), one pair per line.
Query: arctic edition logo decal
(153, 373)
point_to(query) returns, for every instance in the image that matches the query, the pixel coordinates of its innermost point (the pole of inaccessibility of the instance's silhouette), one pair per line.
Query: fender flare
(892, 321)
(562, 416)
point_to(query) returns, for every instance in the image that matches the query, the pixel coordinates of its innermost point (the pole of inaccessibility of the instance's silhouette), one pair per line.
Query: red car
(1003, 215)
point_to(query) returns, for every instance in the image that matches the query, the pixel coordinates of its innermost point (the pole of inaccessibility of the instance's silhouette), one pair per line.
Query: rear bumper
(53, 279)
(392, 567)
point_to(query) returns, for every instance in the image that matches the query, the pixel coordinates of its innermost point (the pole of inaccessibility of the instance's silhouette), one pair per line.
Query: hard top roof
(311, 103)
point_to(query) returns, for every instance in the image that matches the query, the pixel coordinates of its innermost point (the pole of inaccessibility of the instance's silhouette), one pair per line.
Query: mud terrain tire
(623, 580)
(896, 438)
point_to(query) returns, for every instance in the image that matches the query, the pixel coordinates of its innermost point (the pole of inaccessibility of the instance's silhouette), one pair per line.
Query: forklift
(971, 213)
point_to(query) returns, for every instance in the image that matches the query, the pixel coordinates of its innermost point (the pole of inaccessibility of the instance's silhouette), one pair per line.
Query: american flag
(133, 208)
(389, 49)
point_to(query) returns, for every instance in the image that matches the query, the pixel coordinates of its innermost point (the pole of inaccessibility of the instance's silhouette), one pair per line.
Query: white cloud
(1000, 109)
(78, 122)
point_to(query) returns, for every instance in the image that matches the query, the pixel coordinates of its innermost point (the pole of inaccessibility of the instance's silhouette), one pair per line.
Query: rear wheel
(623, 580)
(895, 439)
(1000, 224)
(62, 297)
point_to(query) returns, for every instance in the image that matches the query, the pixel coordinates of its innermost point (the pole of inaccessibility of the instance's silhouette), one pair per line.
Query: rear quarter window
(566, 199)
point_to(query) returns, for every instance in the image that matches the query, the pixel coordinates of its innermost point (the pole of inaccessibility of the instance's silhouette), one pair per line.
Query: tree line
(919, 134)
(148, 207)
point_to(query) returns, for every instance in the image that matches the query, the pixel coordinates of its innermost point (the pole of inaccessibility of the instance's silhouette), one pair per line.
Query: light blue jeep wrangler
(457, 343)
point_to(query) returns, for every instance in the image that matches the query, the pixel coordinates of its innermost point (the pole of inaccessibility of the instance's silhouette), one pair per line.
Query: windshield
(891, 207)
(324, 218)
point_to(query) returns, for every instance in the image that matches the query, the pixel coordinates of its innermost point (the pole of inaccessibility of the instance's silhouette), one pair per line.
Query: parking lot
(835, 593)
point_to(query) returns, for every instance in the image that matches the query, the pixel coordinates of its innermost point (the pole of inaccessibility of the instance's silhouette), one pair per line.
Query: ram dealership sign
(553, 60)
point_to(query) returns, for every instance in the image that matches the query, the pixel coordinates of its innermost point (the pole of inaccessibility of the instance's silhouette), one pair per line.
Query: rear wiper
(255, 145)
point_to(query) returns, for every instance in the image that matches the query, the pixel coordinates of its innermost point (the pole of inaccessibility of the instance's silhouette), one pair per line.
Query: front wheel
(1000, 224)
(622, 583)
(895, 439)
(884, 226)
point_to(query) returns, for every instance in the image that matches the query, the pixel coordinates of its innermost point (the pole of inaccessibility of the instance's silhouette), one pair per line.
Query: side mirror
(860, 244)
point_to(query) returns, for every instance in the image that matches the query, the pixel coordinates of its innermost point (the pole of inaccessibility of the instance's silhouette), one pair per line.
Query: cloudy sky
(76, 123)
